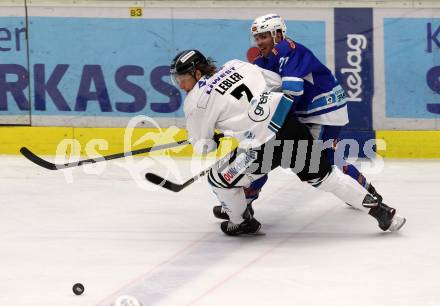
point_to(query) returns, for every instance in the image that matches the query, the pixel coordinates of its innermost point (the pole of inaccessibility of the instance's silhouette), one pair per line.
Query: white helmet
(268, 23)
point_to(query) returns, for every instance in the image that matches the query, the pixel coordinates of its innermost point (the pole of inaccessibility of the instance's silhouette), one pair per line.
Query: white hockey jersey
(236, 100)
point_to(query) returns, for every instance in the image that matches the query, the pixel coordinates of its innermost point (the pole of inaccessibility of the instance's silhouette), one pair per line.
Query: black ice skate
(374, 193)
(220, 213)
(385, 215)
(248, 227)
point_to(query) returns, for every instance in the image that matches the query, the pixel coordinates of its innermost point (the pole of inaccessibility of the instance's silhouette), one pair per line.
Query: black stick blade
(37, 160)
(160, 181)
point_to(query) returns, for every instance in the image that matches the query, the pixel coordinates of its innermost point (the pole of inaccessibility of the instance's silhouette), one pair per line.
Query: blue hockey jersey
(318, 97)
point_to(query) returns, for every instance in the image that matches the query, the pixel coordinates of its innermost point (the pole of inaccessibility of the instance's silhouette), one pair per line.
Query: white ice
(118, 235)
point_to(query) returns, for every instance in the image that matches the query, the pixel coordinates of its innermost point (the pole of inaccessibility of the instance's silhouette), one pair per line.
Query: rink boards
(85, 72)
(104, 141)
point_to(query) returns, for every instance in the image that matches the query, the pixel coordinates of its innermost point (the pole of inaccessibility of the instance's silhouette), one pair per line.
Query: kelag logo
(354, 63)
(356, 44)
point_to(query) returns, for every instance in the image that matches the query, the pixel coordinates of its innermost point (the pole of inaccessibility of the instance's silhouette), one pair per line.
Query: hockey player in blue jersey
(319, 99)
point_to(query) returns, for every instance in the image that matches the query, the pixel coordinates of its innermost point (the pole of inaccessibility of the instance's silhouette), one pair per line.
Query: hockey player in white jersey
(237, 99)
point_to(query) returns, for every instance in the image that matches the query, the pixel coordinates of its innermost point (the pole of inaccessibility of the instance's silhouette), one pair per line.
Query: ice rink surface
(117, 236)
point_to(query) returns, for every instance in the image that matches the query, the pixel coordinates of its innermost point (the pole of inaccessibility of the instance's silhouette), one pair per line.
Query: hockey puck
(78, 289)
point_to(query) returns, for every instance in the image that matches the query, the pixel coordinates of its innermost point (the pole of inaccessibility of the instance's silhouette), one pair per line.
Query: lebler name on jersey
(228, 82)
(224, 84)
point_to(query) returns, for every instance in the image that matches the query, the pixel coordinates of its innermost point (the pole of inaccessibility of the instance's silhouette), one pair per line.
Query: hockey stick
(160, 181)
(51, 166)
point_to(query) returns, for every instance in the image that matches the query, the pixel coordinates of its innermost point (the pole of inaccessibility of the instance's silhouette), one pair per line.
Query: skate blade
(259, 233)
(396, 227)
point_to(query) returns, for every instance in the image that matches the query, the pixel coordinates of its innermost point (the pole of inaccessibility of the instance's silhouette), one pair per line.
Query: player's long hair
(207, 68)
